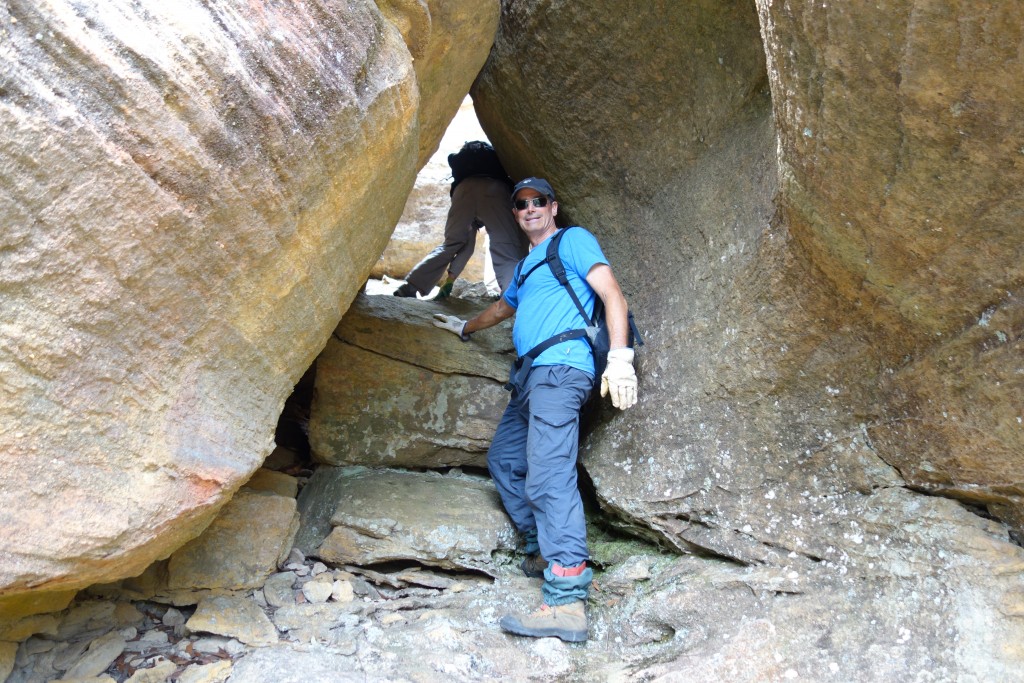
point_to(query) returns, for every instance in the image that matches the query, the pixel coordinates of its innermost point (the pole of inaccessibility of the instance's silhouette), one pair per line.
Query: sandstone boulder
(7, 652)
(271, 481)
(808, 352)
(899, 165)
(193, 195)
(233, 617)
(447, 42)
(244, 545)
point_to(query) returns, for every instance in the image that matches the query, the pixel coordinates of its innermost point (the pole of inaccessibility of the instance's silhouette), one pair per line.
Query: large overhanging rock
(448, 42)
(193, 192)
(785, 377)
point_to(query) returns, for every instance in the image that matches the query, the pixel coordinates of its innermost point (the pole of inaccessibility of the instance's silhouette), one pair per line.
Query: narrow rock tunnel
(813, 211)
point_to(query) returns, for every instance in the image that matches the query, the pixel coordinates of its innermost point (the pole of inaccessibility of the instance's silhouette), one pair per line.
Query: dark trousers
(532, 460)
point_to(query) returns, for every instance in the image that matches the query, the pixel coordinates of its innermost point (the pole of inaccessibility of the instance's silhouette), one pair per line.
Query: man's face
(533, 219)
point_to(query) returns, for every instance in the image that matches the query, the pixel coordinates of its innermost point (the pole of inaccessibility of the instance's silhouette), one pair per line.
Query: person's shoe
(533, 565)
(568, 622)
(406, 290)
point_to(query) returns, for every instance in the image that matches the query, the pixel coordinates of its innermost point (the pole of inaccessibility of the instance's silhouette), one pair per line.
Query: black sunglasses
(536, 201)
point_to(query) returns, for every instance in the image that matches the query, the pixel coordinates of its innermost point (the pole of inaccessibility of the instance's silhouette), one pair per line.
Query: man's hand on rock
(453, 324)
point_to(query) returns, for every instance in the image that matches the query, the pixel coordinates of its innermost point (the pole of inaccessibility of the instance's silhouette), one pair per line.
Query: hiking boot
(568, 622)
(406, 290)
(533, 565)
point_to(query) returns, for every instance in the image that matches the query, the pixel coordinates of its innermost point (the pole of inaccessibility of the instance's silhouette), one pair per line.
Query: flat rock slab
(280, 483)
(454, 522)
(392, 390)
(233, 617)
(403, 329)
(100, 654)
(376, 411)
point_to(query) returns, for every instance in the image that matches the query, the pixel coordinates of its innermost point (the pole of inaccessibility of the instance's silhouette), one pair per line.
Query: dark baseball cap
(539, 184)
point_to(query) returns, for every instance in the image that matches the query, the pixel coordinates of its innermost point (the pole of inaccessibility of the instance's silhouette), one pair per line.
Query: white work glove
(619, 378)
(452, 324)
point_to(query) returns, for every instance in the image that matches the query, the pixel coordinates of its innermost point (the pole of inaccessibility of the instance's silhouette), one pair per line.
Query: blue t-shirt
(544, 308)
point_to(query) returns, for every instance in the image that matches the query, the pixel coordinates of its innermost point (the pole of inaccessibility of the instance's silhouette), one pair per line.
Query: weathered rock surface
(655, 617)
(376, 516)
(809, 351)
(192, 196)
(248, 541)
(915, 613)
(158, 673)
(813, 210)
(448, 42)
(393, 391)
(317, 503)
(7, 652)
(100, 654)
(900, 166)
(268, 480)
(244, 545)
(87, 639)
(781, 383)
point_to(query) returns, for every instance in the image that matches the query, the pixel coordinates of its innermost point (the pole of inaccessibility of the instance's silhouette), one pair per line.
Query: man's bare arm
(490, 316)
(616, 311)
(619, 377)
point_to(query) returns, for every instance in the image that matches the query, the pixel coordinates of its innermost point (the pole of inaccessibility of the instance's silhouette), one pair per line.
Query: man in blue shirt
(532, 458)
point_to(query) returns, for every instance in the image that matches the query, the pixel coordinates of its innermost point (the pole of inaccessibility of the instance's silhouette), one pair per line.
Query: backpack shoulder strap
(554, 261)
(520, 277)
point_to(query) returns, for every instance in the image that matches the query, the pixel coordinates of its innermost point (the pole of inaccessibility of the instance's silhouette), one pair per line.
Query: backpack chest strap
(521, 367)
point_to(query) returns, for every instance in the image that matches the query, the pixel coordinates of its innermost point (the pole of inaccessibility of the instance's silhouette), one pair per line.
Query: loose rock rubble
(307, 603)
(652, 616)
